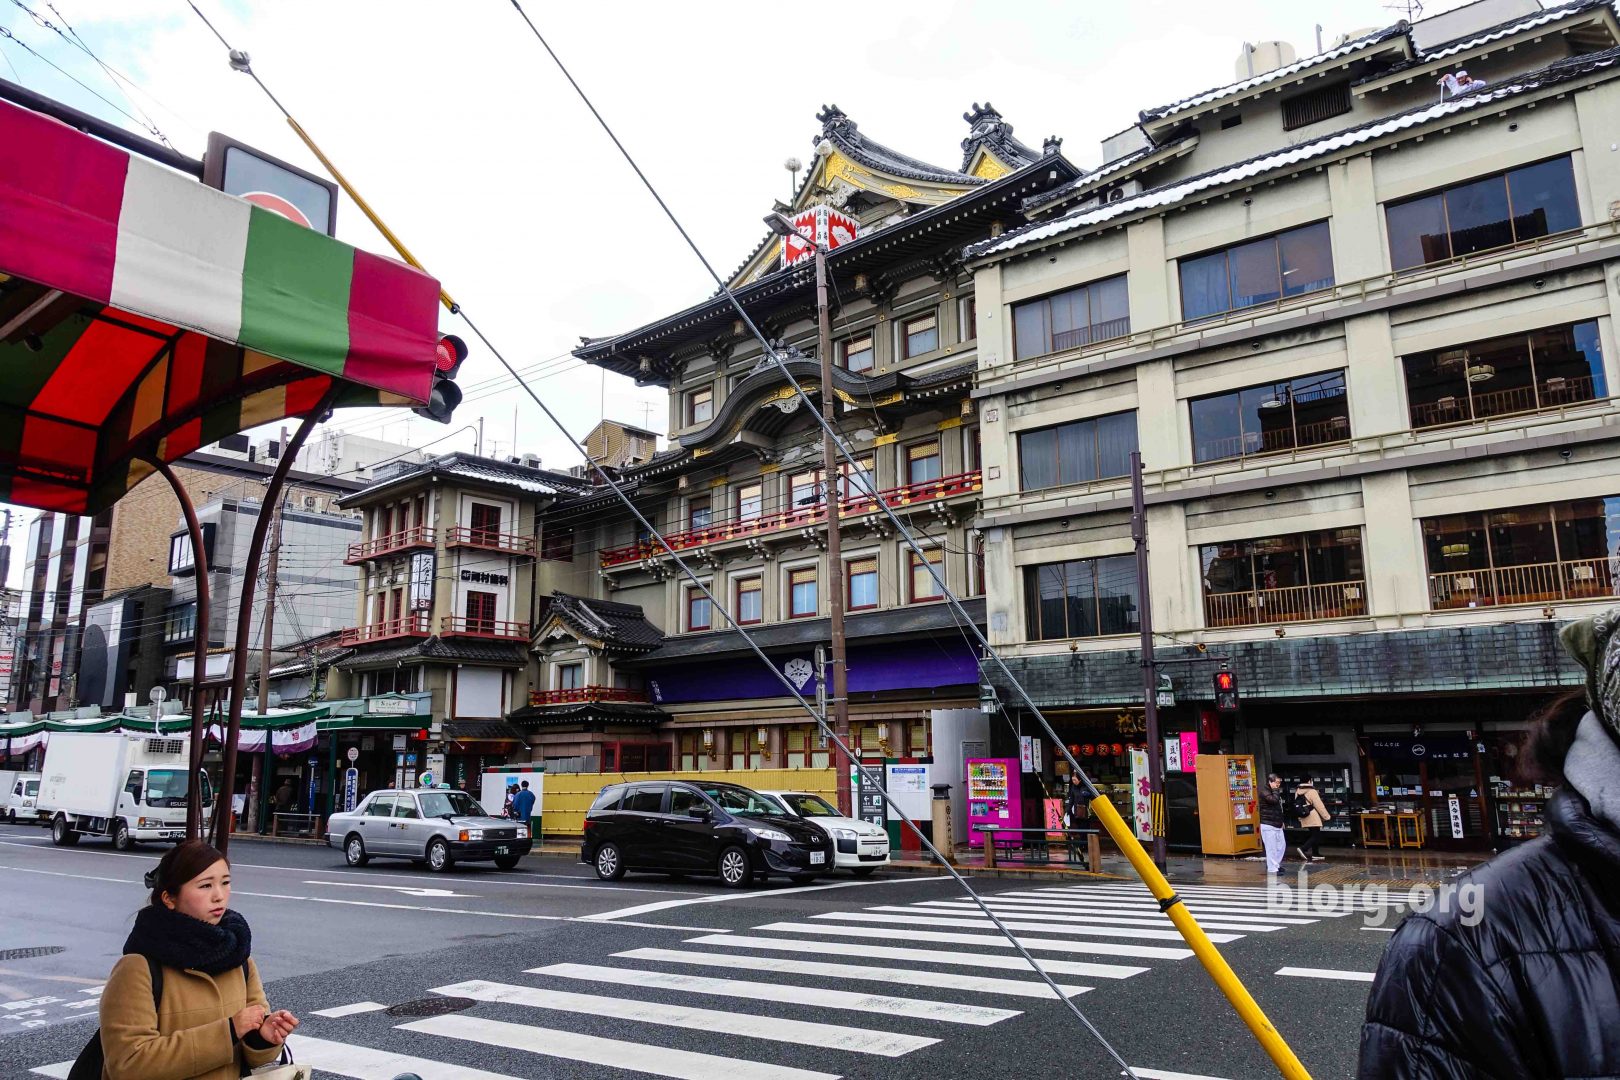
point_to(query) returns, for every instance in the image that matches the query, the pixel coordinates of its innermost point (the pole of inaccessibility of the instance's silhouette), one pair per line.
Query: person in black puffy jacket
(1526, 981)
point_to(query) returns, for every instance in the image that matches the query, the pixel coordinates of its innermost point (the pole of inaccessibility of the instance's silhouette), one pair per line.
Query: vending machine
(993, 795)
(1228, 804)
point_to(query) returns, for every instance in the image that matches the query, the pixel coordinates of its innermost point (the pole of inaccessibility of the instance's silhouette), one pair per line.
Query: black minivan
(691, 827)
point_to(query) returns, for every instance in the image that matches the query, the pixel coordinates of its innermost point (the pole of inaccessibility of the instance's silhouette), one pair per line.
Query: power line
(9, 36)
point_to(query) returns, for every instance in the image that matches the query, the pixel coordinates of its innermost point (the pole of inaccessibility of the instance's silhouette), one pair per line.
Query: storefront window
(1307, 411)
(1518, 373)
(1083, 598)
(1523, 555)
(1276, 579)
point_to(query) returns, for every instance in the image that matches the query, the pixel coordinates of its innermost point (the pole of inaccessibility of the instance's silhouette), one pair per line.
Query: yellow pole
(365, 208)
(1225, 978)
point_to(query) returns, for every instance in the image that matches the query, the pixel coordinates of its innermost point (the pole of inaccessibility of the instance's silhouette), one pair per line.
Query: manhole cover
(29, 954)
(433, 1006)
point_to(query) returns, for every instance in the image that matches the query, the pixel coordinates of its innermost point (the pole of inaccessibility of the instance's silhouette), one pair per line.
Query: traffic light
(445, 395)
(1226, 692)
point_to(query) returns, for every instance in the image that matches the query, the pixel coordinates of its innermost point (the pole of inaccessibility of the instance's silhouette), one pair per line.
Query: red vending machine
(993, 796)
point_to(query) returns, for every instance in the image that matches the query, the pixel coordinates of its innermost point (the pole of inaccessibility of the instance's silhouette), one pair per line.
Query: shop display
(993, 795)
(1228, 804)
(1332, 784)
(1519, 813)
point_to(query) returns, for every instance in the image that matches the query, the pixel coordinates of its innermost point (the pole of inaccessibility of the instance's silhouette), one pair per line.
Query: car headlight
(771, 834)
(844, 834)
(472, 834)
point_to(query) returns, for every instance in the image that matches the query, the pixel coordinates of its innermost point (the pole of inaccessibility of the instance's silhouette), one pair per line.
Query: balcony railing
(489, 540)
(497, 629)
(580, 694)
(1298, 437)
(419, 537)
(414, 625)
(1536, 583)
(945, 487)
(1552, 393)
(1259, 607)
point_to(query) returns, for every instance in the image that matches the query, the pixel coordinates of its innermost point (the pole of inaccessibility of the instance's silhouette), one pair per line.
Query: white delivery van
(128, 787)
(19, 792)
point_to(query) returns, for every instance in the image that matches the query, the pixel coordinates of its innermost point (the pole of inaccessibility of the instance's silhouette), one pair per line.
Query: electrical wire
(9, 36)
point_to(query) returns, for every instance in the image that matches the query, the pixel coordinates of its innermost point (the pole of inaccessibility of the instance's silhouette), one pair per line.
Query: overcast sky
(457, 127)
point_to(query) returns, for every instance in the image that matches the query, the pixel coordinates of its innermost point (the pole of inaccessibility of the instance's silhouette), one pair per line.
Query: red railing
(488, 540)
(416, 625)
(585, 693)
(484, 628)
(404, 540)
(945, 487)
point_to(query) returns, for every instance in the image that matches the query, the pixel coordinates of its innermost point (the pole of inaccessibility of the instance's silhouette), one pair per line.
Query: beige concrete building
(1357, 314)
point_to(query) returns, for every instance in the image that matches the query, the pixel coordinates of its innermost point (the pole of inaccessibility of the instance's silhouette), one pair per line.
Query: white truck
(128, 787)
(18, 793)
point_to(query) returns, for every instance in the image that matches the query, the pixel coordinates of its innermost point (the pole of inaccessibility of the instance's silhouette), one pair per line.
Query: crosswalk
(807, 999)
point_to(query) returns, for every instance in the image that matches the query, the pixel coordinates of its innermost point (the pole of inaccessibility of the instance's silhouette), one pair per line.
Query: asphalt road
(560, 975)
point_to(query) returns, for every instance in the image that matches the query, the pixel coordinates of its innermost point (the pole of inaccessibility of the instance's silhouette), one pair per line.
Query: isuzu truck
(124, 786)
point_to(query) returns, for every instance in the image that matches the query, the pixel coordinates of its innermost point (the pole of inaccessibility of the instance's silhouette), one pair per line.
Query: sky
(459, 130)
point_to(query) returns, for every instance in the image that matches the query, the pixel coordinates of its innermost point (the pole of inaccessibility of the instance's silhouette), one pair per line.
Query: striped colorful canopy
(144, 315)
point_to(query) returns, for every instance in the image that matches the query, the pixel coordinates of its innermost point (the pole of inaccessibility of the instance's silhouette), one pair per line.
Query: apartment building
(1356, 312)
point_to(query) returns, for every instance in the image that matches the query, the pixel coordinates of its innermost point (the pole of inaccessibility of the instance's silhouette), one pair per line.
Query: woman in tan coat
(212, 1022)
(1311, 821)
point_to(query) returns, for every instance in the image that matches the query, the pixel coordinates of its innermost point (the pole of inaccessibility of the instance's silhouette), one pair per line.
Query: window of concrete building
(1072, 319)
(557, 544)
(1316, 575)
(976, 566)
(700, 406)
(1257, 272)
(969, 329)
(861, 583)
(805, 749)
(1081, 598)
(856, 353)
(698, 609)
(804, 491)
(858, 479)
(180, 622)
(750, 602)
(1496, 211)
(1546, 369)
(570, 676)
(750, 501)
(480, 612)
(746, 752)
(400, 680)
(699, 512)
(923, 584)
(920, 335)
(1523, 555)
(1306, 411)
(1078, 452)
(486, 522)
(923, 462)
(803, 599)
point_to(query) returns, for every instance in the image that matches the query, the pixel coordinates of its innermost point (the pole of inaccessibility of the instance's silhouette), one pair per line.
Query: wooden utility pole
(274, 553)
(1150, 670)
(832, 496)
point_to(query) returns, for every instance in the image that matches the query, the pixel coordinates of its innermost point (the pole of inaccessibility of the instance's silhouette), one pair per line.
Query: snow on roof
(1099, 174)
(1327, 144)
(511, 478)
(1283, 72)
(1552, 14)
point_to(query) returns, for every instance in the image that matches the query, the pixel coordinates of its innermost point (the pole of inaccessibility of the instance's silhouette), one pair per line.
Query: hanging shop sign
(1172, 754)
(351, 788)
(484, 577)
(1189, 751)
(1454, 805)
(1141, 808)
(422, 570)
(1421, 748)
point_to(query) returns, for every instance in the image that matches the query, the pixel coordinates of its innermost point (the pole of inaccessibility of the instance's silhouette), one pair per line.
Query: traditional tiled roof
(993, 133)
(1118, 166)
(524, 478)
(621, 628)
(613, 712)
(1476, 38)
(1255, 167)
(454, 650)
(838, 129)
(481, 731)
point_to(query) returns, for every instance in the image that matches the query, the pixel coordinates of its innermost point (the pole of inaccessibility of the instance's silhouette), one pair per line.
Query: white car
(861, 846)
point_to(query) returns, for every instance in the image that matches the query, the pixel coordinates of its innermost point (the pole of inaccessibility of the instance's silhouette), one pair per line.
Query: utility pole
(274, 553)
(1150, 671)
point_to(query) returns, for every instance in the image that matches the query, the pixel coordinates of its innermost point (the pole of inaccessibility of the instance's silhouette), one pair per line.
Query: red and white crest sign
(818, 224)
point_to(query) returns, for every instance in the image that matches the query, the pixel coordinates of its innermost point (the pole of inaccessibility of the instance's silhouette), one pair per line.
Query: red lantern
(1118, 750)
(1087, 750)
(1074, 748)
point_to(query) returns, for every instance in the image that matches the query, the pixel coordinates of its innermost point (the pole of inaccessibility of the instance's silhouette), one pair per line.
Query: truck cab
(153, 803)
(18, 800)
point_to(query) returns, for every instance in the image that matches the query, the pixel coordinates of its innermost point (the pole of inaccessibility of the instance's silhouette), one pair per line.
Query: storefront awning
(143, 314)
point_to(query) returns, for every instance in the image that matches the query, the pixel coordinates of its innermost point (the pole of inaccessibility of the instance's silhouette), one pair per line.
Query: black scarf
(181, 942)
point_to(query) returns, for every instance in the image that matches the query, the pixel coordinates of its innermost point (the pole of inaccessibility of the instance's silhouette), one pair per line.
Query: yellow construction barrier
(567, 796)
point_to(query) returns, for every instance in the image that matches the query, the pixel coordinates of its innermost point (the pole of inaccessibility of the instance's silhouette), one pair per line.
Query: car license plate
(817, 858)
(501, 850)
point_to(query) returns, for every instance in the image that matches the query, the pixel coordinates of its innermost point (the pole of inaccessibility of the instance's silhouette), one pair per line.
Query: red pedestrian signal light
(1226, 692)
(445, 395)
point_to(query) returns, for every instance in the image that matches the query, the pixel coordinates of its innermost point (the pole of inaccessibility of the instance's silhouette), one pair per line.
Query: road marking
(1327, 973)
(406, 907)
(1267, 898)
(349, 1010)
(1380, 929)
(1033, 928)
(992, 941)
(364, 1063)
(905, 976)
(664, 905)
(748, 1025)
(82, 877)
(1104, 918)
(636, 1057)
(1165, 1074)
(822, 947)
(1034, 908)
(948, 1012)
(1292, 904)
(658, 926)
(59, 1071)
(406, 889)
(96, 983)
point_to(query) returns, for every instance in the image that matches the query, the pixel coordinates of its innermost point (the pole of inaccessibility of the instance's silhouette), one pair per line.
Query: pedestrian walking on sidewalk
(523, 803)
(185, 1002)
(1312, 814)
(1517, 975)
(1272, 823)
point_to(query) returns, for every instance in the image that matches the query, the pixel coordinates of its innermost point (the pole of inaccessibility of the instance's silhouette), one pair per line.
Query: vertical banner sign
(1026, 753)
(314, 785)
(1189, 751)
(1172, 754)
(1141, 810)
(1455, 806)
(351, 788)
(422, 570)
